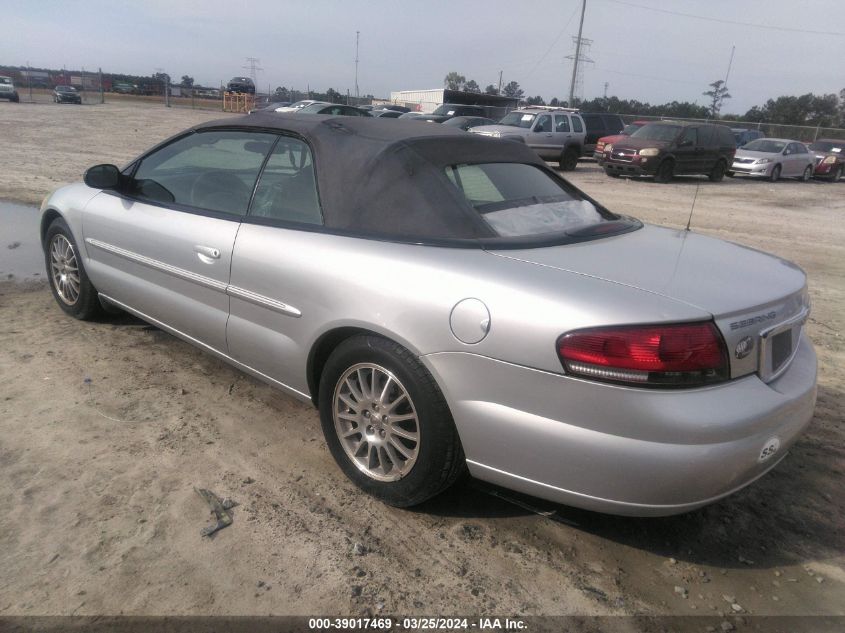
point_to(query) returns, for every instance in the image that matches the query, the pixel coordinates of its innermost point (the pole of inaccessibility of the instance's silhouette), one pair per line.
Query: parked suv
(242, 85)
(7, 90)
(556, 134)
(599, 125)
(667, 148)
(743, 136)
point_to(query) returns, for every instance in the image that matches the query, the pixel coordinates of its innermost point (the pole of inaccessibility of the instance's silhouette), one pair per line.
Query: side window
(213, 170)
(612, 123)
(799, 148)
(287, 189)
(544, 123)
(707, 136)
(690, 134)
(576, 124)
(561, 123)
(593, 122)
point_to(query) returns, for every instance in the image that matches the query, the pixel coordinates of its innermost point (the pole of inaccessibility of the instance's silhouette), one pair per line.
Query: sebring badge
(744, 347)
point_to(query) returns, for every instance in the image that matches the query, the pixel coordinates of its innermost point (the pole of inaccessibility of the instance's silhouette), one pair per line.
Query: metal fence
(804, 133)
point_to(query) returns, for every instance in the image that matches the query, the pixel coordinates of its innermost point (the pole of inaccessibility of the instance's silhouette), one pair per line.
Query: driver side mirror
(102, 177)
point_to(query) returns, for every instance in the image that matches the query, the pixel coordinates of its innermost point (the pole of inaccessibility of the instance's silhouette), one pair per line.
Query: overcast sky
(643, 54)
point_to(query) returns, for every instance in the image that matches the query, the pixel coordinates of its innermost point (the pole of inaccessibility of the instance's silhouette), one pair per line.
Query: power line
(722, 21)
(549, 50)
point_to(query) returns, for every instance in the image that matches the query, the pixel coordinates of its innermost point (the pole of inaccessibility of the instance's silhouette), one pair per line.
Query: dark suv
(599, 125)
(242, 85)
(669, 148)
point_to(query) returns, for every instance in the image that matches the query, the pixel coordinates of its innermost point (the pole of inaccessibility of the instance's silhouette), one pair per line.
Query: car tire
(611, 173)
(568, 159)
(16, 99)
(808, 173)
(717, 174)
(775, 175)
(730, 174)
(835, 174)
(362, 438)
(665, 171)
(69, 282)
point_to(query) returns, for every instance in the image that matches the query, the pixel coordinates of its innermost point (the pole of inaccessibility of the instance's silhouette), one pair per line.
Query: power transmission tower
(253, 68)
(579, 58)
(357, 93)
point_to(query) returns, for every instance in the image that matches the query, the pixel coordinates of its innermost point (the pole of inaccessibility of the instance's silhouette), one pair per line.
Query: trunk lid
(748, 292)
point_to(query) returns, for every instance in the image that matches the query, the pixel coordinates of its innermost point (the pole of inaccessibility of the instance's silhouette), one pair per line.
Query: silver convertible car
(448, 301)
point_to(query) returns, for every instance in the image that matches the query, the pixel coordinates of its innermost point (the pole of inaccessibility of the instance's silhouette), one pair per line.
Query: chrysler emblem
(744, 347)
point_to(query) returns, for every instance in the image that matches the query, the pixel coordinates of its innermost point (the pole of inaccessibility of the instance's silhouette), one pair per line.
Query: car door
(563, 131)
(273, 305)
(688, 154)
(797, 161)
(163, 246)
(541, 138)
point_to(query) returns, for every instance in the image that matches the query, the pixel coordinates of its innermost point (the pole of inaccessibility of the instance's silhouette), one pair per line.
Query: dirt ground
(106, 428)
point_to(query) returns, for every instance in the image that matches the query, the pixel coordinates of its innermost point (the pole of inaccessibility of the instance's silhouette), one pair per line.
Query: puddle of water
(21, 257)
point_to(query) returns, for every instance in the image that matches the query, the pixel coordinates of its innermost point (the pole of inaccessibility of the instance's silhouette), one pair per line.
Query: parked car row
(663, 149)
(660, 149)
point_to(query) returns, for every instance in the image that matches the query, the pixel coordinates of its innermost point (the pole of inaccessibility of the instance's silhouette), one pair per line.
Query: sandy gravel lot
(107, 427)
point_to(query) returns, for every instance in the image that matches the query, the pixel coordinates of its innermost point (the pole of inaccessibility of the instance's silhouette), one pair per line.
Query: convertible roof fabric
(386, 176)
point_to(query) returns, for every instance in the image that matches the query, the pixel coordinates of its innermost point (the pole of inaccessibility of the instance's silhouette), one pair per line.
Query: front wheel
(568, 159)
(664, 171)
(775, 175)
(612, 173)
(808, 173)
(730, 174)
(836, 174)
(386, 422)
(69, 282)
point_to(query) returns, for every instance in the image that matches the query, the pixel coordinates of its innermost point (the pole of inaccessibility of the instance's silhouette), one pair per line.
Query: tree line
(827, 110)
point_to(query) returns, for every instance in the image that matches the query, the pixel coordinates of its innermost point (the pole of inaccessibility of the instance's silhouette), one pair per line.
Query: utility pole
(499, 91)
(577, 54)
(606, 84)
(357, 93)
(29, 79)
(102, 92)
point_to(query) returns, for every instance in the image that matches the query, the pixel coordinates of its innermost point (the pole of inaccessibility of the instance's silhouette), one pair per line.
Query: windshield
(827, 146)
(631, 128)
(657, 132)
(518, 119)
(65, 88)
(519, 200)
(446, 108)
(765, 145)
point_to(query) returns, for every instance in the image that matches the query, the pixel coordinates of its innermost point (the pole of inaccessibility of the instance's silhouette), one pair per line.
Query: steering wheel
(219, 190)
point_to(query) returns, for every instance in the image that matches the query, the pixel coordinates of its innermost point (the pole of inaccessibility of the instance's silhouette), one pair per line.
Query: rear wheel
(386, 422)
(568, 159)
(611, 173)
(664, 171)
(718, 172)
(775, 175)
(69, 282)
(808, 173)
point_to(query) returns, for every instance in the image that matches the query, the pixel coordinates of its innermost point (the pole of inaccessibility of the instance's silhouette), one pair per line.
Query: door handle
(207, 254)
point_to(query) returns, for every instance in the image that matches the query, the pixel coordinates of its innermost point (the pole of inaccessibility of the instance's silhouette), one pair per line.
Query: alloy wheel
(376, 422)
(64, 269)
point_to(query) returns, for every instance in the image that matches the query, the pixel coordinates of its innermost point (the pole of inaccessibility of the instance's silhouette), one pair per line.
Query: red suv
(613, 138)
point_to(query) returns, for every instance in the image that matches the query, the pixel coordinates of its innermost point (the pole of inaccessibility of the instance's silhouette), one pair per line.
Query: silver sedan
(772, 159)
(448, 302)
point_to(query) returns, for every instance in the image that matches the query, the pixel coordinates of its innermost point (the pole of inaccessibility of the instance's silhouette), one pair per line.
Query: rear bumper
(616, 449)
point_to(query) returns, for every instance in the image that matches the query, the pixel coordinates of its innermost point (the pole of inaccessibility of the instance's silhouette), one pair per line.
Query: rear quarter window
(518, 200)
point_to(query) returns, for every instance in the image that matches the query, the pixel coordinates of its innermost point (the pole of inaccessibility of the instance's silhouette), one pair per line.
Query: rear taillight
(680, 355)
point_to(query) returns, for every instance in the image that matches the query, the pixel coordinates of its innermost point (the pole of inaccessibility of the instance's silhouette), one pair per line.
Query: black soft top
(386, 177)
